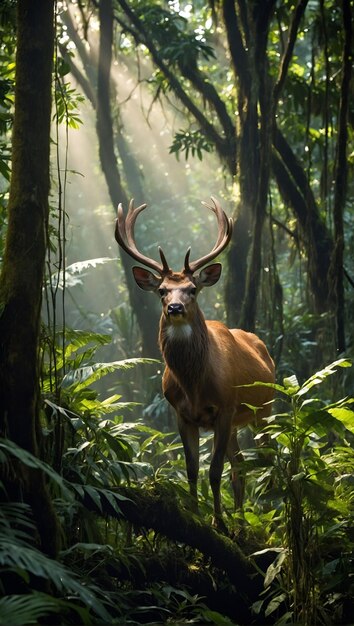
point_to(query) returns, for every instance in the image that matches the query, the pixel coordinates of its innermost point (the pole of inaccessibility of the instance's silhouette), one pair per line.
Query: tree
(98, 88)
(21, 278)
(258, 140)
(341, 177)
(108, 160)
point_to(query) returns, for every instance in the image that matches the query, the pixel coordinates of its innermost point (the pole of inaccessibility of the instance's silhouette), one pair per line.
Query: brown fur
(206, 367)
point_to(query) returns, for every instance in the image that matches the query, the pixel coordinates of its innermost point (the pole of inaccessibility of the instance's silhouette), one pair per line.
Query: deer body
(202, 374)
(206, 363)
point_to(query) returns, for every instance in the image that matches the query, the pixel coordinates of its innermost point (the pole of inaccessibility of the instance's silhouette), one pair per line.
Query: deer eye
(162, 292)
(193, 291)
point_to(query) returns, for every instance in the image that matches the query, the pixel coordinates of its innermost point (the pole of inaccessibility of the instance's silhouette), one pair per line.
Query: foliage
(178, 50)
(193, 142)
(177, 42)
(306, 493)
(21, 561)
(299, 506)
(67, 100)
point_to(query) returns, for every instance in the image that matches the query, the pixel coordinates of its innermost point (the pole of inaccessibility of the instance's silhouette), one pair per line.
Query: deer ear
(144, 279)
(209, 275)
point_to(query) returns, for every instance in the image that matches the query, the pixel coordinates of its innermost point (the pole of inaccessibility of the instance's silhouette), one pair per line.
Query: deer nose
(175, 309)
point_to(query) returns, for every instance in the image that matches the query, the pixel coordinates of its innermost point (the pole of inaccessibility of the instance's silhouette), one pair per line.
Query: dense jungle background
(171, 102)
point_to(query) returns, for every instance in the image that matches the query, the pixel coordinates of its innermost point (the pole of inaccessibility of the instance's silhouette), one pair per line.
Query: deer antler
(225, 225)
(124, 234)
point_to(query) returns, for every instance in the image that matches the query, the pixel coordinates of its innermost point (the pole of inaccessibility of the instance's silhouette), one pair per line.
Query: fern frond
(84, 376)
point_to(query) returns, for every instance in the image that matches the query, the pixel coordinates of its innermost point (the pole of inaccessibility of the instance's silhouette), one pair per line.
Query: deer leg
(221, 437)
(235, 457)
(190, 439)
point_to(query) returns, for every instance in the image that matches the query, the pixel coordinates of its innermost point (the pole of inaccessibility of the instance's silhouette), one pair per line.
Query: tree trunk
(97, 86)
(109, 167)
(260, 29)
(21, 279)
(295, 189)
(242, 285)
(248, 166)
(336, 272)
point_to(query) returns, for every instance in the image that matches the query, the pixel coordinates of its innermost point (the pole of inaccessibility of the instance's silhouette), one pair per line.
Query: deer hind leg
(237, 481)
(190, 439)
(221, 438)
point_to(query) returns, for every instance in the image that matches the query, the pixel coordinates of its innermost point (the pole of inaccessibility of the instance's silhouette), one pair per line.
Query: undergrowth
(298, 511)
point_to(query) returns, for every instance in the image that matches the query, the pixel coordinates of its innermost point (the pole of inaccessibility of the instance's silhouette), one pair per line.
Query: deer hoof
(219, 525)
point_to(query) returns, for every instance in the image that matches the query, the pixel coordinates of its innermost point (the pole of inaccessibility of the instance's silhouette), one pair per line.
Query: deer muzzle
(176, 308)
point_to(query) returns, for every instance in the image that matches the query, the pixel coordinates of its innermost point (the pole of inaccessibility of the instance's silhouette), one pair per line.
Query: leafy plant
(67, 101)
(311, 490)
(22, 563)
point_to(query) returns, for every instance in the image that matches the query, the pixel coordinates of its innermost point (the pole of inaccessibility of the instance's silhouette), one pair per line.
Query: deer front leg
(190, 439)
(235, 457)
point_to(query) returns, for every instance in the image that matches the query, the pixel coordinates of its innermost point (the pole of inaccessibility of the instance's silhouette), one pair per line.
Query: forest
(246, 106)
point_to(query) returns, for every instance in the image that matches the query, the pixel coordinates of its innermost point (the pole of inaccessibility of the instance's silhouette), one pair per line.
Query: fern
(87, 375)
(28, 608)
(28, 459)
(19, 556)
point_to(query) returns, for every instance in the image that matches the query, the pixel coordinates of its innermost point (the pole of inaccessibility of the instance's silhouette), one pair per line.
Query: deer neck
(185, 349)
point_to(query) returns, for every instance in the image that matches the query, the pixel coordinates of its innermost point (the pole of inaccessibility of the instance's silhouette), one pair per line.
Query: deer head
(177, 290)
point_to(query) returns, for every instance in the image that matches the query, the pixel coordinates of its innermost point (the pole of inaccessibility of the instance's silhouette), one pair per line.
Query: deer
(208, 367)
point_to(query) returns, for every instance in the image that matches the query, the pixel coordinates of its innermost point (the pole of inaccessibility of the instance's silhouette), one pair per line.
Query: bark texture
(21, 279)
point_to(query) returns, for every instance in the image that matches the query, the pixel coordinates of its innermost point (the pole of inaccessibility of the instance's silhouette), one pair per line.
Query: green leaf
(81, 339)
(94, 495)
(113, 499)
(274, 568)
(275, 603)
(296, 477)
(22, 557)
(216, 618)
(84, 376)
(345, 416)
(5, 170)
(121, 447)
(31, 461)
(262, 384)
(291, 382)
(27, 609)
(320, 376)
(63, 67)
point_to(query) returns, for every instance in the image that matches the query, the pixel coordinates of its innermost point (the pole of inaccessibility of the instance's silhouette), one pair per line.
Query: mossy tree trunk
(21, 279)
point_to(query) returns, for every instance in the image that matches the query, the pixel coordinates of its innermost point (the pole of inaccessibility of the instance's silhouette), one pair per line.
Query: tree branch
(209, 93)
(285, 62)
(156, 508)
(141, 36)
(294, 188)
(239, 55)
